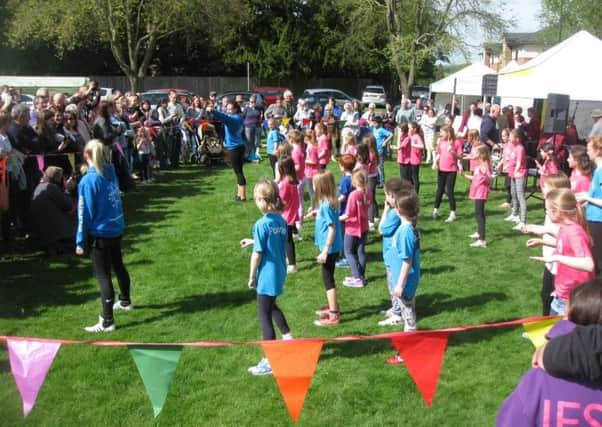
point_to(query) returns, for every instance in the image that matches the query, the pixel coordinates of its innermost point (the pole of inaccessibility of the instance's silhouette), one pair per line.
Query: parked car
(321, 95)
(27, 99)
(155, 96)
(375, 95)
(105, 93)
(231, 95)
(270, 93)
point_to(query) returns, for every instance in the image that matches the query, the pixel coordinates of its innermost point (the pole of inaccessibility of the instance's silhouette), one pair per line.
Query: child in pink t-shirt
(479, 191)
(295, 138)
(550, 163)
(349, 143)
(312, 164)
(573, 253)
(447, 154)
(324, 145)
(581, 164)
(515, 162)
(416, 147)
(287, 190)
(370, 140)
(475, 141)
(403, 150)
(356, 229)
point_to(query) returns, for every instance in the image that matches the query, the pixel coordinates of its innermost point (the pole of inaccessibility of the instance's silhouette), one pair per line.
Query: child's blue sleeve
(258, 238)
(407, 243)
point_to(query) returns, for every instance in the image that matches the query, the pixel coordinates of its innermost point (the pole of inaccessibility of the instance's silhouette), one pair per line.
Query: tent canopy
(468, 80)
(572, 68)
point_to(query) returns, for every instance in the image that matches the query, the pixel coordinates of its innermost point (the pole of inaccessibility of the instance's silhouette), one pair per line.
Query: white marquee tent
(572, 67)
(468, 81)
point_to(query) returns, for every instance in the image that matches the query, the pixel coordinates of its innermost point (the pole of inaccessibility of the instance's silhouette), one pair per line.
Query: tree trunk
(134, 81)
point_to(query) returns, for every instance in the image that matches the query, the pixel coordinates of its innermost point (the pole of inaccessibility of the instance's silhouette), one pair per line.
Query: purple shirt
(543, 400)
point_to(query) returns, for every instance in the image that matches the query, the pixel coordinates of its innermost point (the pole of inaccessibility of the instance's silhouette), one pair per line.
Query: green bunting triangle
(156, 367)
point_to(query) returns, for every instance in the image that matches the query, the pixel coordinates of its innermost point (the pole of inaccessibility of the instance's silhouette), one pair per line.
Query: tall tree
(563, 18)
(420, 30)
(132, 28)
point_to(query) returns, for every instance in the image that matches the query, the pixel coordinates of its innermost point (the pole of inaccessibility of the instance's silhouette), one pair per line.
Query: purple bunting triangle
(29, 363)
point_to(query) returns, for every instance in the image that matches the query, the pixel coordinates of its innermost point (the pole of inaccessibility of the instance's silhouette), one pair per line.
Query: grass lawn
(189, 281)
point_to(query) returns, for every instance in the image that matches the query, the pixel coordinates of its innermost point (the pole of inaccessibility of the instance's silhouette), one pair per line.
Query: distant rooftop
(523, 39)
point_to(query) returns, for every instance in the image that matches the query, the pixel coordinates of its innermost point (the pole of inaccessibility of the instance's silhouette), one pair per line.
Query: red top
(298, 157)
(357, 210)
(290, 197)
(479, 184)
(403, 150)
(517, 154)
(447, 162)
(580, 183)
(311, 155)
(415, 152)
(572, 241)
(549, 168)
(324, 148)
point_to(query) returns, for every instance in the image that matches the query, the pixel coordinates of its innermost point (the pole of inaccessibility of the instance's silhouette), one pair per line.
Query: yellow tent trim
(522, 73)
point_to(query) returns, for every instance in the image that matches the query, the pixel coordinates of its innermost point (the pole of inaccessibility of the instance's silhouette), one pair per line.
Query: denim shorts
(557, 306)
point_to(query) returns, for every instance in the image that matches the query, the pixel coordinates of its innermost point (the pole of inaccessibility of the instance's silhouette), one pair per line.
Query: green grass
(189, 284)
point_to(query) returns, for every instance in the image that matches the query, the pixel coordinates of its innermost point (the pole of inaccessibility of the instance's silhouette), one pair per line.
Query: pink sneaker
(355, 283)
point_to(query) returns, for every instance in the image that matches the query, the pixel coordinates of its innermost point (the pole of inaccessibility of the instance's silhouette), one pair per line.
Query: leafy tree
(563, 18)
(132, 28)
(420, 30)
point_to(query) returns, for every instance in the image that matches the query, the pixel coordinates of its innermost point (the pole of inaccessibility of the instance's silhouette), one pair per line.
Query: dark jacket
(51, 214)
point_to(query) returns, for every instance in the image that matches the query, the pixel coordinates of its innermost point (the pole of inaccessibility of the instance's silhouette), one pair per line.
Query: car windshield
(375, 89)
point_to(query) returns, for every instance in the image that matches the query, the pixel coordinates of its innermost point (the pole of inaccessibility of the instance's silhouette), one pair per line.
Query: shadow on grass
(437, 270)
(438, 302)
(352, 349)
(30, 282)
(194, 304)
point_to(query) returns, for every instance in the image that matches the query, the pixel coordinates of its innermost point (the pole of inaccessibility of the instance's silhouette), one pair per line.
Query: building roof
(537, 38)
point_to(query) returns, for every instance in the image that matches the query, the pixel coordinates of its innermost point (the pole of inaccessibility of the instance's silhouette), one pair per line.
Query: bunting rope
(347, 338)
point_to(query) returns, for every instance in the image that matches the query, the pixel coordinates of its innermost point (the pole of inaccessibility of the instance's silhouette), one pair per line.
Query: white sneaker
(391, 321)
(297, 237)
(291, 269)
(519, 226)
(478, 244)
(387, 313)
(435, 214)
(512, 218)
(474, 235)
(371, 226)
(117, 306)
(99, 327)
(262, 368)
(451, 218)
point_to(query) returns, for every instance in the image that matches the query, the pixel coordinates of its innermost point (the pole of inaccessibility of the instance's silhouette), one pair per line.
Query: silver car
(374, 94)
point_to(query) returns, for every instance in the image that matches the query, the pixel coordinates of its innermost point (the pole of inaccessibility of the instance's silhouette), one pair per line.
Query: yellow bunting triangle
(537, 330)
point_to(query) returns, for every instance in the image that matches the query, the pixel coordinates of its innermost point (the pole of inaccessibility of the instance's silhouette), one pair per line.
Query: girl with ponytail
(573, 247)
(99, 229)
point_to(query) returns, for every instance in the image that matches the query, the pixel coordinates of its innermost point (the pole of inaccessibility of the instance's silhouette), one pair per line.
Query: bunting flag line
(537, 330)
(29, 364)
(423, 354)
(293, 365)
(40, 159)
(156, 367)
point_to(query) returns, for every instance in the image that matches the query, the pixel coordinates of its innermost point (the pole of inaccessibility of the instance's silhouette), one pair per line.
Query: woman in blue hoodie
(100, 226)
(235, 144)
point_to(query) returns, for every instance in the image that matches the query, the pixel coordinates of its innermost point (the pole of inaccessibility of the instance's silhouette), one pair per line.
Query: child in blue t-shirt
(347, 164)
(272, 143)
(383, 137)
(267, 272)
(329, 239)
(404, 260)
(387, 227)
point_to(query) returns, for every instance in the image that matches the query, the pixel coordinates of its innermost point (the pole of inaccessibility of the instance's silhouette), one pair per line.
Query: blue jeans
(558, 307)
(381, 168)
(355, 252)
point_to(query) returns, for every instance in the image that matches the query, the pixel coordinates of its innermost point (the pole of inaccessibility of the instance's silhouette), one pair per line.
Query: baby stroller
(211, 146)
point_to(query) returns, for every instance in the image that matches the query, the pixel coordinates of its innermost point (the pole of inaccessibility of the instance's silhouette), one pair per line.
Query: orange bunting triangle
(423, 353)
(293, 365)
(537, 330)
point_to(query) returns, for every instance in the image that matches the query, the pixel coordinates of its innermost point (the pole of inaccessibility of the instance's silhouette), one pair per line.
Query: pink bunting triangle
(40, 159)
(423, 354)
(29, 363)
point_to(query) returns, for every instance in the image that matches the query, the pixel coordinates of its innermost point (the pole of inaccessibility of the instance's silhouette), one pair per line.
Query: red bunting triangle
(293, 365)
(423, 353)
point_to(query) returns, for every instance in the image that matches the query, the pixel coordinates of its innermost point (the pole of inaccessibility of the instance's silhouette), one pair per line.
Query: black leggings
(328, 271)
(268, 311)
(507, 187)
(237, 160)
(290, 245)
(547, 287)
(273, 161)
(404, 171)
(445, 183)
(479, 213)
(106, 255)
(415, 177)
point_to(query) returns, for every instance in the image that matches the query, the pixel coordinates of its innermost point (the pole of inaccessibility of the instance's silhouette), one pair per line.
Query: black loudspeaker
(557, 113)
